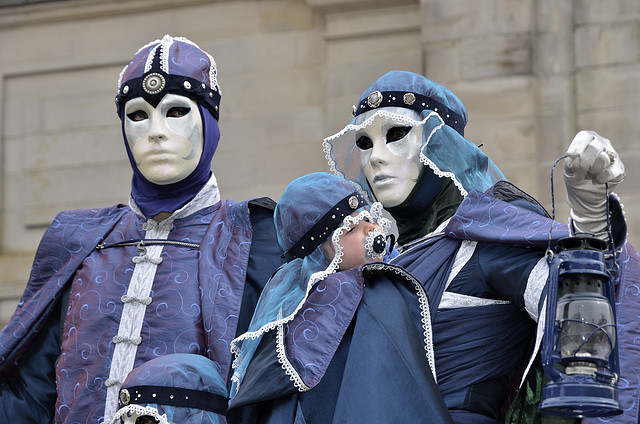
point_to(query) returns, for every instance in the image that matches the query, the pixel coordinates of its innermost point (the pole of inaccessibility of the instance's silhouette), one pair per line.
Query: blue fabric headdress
(315, 198)
(415, 101)
(177, 388)
(178, 66)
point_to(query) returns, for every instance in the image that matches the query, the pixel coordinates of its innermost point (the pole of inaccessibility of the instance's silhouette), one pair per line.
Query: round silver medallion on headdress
(153, 83)
(374, 99)
(409, 99)
(125, 398)
(353, 202)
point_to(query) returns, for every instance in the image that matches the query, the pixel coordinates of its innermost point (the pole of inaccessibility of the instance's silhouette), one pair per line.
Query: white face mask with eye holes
(390, 157)
(166, 141)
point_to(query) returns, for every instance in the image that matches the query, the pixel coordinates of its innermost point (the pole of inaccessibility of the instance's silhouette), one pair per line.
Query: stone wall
(531, 73)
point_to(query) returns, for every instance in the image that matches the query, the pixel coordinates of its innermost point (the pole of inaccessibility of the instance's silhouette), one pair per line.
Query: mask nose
(157, 127)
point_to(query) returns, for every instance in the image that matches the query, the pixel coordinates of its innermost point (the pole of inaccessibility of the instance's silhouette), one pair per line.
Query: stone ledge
(84, 9)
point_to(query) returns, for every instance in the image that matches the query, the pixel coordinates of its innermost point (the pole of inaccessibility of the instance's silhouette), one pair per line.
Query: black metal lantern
(579, 351)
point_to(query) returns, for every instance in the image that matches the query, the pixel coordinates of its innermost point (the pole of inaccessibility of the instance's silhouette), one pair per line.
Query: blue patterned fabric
(179, 376)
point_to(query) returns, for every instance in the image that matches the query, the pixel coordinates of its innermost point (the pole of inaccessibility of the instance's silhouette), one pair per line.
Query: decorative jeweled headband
(408, 100)
(173, 396)
(154, 85)
(331, 220)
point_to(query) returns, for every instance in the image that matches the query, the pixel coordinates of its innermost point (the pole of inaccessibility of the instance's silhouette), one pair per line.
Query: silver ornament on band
(153, 83)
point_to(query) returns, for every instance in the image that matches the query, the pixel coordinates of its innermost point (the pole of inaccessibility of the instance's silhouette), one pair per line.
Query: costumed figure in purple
(467, 334)
(180, 388)
(178, 270)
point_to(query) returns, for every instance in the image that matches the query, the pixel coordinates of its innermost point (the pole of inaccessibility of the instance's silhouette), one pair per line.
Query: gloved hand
(591, 163)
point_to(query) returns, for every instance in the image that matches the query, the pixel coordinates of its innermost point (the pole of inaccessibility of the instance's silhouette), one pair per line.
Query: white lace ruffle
(286, 365)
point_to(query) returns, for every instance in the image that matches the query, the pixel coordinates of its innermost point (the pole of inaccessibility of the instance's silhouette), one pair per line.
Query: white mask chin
(165, 141)
(391, 163)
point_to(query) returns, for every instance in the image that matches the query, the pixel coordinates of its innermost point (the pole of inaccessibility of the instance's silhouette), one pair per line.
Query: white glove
(591, 163)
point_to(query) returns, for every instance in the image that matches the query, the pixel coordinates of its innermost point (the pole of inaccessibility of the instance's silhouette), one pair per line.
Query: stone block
(23, 117)
(455, 19)
(554, 16)
(495, 56)
(48, 191)
(597, 11)
(373, 47)
(555, 96)
(252, 93)
(51, 101)
(553, 53)
(504, 140)
(259, 54)
(606, 44)
(372, 21)
(620, 125)
(284, 15)
(256, 132)
(308, 126)
(79, 148)
(356, 72)
(514, 15)
(502, 98)
(442, 61)
(553, 136)
(607, 87)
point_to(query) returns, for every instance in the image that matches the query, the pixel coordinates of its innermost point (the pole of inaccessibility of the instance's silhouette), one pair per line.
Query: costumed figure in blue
(332, 238)
(326, 230)
(176, 271)
(475, 244)
(178, 388)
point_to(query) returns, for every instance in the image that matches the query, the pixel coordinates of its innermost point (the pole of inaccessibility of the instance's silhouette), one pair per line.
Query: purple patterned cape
(73, 235)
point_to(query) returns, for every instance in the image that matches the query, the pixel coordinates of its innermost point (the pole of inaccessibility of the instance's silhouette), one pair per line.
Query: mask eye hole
(364, 143)
(178, 112)
(397, 133)
(138, 115)
(146, 419)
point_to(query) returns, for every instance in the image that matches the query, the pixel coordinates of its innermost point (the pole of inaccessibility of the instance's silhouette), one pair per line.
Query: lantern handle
(550, 253)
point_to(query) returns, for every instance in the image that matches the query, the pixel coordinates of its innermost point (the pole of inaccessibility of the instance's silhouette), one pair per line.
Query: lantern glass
(586, 322)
